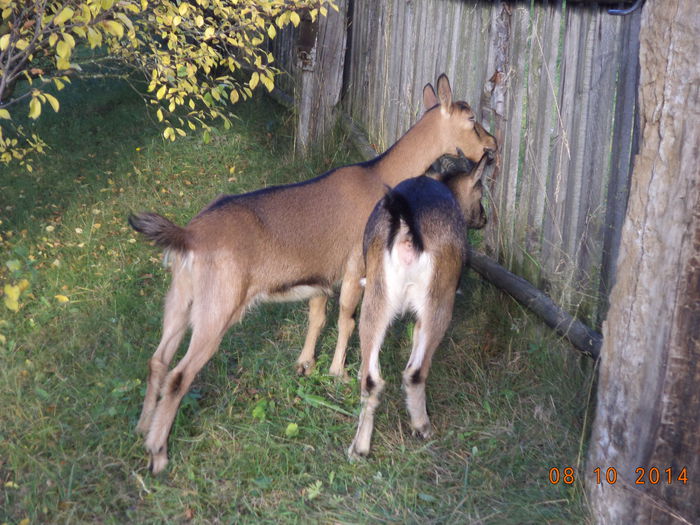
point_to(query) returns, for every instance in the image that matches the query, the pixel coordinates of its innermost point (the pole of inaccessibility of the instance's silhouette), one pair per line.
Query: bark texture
(648, 412)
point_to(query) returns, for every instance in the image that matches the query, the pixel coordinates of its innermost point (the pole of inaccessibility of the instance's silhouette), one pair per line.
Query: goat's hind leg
(210, 320)
(374, 321)
(175, 316)
(427, 334)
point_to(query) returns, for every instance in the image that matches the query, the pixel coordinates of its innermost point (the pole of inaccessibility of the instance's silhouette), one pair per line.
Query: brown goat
(415, 246)
(282, 243)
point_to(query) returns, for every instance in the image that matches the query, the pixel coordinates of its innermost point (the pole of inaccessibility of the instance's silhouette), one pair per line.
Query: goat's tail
(404, 232)
(161, 231)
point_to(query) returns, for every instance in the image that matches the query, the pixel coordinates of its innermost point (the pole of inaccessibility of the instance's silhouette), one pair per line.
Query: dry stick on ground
(577, 333)
(581, 336)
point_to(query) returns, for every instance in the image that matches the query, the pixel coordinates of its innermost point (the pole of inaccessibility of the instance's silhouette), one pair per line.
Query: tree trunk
(648, 413)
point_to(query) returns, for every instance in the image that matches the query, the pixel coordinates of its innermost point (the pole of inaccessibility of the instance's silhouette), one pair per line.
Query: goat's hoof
(305, 368)
(341, 374)
(354, 454)
(424, 432)
(142, 427)
(158, 458)
(157, 463)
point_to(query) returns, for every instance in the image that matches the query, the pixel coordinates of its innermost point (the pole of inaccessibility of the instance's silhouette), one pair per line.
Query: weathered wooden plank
(623, 149)
(510, 150)
(376, 81)
(595, 171)
(494, 98)
(456, 28)
(321, 79)
(554, 257)
(421, 76)
(575, 190)
(543, 92)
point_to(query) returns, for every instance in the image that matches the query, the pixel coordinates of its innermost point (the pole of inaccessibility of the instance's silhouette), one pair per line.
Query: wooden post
(644, 455)
(320, 63)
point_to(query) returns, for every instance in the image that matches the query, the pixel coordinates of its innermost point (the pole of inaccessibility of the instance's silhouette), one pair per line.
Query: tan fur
(286, 243)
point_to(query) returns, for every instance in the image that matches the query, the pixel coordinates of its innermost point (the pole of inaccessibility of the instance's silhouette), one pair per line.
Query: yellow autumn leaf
(113, 28)
(4, 41)
(34, 108)
(61, 298)
(94, 37)
(23, 285)
(294, 17)
(254, 79)
(64, 15)
(5, 114)
(63, 49)
(268, 82)
(62, 64)
(161, 92)
(53, 101)
(282, 19)
(271, 31)
(11, 298)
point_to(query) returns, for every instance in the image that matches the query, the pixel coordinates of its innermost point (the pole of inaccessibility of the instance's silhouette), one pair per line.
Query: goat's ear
(478, 172)
(429, 98)
(444, 93)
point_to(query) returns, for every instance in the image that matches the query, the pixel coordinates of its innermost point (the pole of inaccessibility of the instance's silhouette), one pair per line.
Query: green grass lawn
(507, 399)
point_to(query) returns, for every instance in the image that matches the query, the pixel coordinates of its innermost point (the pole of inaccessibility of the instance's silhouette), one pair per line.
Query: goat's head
(456, 123)
(466, 186)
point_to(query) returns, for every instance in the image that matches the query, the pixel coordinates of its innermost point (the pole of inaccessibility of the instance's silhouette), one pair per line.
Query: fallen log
(577, 333)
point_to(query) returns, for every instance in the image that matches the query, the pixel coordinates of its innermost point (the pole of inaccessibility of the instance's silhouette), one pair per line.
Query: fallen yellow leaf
(61, 298)
(11, 299)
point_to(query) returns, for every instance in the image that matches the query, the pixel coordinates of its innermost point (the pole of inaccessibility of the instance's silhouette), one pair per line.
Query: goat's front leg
(317, 319)
(350, 294)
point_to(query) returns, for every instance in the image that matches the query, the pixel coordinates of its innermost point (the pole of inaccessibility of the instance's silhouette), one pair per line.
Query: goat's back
(296, 232)
(428, 210)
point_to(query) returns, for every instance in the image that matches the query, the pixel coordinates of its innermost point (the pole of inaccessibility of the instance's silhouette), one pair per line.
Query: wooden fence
(556, 82)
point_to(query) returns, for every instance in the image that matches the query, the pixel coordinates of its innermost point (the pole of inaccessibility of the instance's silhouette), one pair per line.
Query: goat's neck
(412, 154)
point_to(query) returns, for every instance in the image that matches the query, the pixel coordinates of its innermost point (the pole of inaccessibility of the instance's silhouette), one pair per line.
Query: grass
(508, 400)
